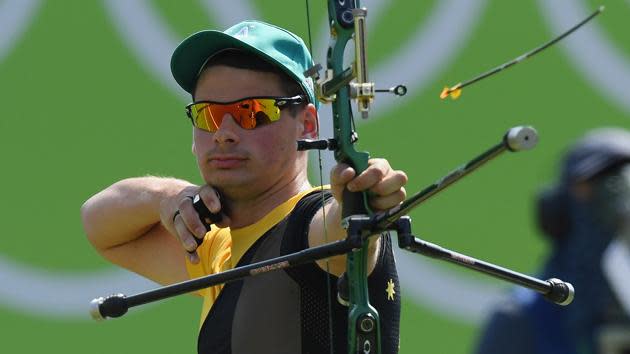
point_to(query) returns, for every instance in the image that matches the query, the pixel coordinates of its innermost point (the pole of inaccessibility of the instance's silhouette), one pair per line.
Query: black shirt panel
(267, 315)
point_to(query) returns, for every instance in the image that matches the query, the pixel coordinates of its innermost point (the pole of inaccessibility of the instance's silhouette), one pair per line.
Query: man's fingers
(193, 257)
(340, 175)
(388, 201)
(376, 171)
(190, 218)
(210, 198)
(186, 238)
(390, 184)
(384, 184)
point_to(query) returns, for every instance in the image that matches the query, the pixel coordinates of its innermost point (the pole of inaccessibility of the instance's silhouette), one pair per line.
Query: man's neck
(247, 211)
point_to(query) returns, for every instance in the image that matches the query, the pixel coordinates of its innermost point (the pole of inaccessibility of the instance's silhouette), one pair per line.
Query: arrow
(455, 91)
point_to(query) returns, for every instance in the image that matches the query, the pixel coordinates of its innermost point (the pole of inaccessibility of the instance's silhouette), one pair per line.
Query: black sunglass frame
(280, 102)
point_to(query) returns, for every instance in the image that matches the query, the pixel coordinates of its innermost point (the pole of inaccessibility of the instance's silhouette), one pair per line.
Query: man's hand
(385, 186)
(180, 218)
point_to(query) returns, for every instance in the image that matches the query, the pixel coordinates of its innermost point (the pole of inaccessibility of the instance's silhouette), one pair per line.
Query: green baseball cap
(271, 43)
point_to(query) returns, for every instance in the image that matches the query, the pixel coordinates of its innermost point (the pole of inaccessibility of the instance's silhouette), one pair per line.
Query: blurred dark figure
(586, 217)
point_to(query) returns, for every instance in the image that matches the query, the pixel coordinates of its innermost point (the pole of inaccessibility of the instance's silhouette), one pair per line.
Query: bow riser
(363, 319)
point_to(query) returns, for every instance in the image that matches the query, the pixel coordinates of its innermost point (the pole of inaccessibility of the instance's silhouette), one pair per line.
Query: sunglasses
(248, 113)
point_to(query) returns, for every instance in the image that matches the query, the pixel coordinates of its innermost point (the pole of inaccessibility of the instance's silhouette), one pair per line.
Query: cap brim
(593, 165)
(595, 153)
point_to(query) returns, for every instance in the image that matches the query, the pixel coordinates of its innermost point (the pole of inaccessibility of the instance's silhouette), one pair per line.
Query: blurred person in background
(585, 217)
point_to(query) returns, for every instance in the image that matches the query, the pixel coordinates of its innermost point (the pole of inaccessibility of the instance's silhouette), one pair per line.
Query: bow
(340, 86)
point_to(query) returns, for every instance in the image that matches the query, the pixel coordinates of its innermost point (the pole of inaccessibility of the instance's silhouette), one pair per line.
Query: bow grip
(355, 203)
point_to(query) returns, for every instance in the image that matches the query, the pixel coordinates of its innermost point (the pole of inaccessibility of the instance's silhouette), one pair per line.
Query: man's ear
(309, 120)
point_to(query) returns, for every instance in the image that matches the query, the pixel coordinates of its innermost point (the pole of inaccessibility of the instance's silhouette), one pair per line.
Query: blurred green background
(85, 100)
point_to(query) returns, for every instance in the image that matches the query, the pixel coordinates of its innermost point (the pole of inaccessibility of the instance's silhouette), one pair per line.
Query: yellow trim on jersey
(223, 248)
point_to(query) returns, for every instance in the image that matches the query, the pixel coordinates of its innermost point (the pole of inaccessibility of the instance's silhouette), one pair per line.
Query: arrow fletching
(454, 92)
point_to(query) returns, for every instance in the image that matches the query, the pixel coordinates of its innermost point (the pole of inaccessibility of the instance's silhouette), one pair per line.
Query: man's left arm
(385, 188)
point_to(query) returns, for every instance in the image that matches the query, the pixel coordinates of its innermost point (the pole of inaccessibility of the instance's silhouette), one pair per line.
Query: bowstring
(321, 186)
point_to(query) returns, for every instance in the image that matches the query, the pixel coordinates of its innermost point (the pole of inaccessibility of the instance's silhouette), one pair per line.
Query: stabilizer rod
(117, 305)
(515, 139)
(554, 290)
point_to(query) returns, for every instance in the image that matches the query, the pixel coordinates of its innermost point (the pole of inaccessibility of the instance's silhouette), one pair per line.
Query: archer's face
(244, 162)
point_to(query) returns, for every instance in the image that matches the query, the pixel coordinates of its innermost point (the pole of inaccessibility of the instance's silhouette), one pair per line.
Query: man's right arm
(123, 223)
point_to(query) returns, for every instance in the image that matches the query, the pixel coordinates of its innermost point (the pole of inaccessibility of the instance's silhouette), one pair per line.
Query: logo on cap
(243, 32)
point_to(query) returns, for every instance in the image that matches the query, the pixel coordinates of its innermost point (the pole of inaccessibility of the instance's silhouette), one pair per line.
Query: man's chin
(226, 179)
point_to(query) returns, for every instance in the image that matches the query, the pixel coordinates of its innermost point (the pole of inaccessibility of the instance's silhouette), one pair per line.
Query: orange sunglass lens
(266, 111)
(248, 113)
(202, 117)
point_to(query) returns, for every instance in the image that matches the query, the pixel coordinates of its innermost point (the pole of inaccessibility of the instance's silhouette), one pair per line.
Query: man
(586, 217)
(251, 102)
